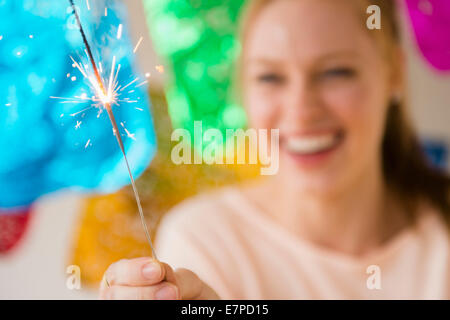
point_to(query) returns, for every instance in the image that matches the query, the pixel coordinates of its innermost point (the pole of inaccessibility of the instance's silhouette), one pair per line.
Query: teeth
(307, 145)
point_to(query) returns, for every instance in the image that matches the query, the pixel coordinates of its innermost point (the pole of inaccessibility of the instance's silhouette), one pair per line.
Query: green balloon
(199, 39)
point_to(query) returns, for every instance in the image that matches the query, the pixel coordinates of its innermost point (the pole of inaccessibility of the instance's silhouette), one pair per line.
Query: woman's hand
(149, 279)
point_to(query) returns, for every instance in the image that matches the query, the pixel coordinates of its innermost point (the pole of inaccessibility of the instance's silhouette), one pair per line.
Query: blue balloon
(47, 143)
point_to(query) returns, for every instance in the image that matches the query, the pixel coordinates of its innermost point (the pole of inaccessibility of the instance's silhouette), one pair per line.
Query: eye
(270, 78)
(345, 73)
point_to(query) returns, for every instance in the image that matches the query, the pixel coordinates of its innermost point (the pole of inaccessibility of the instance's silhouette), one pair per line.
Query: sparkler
(106, 98)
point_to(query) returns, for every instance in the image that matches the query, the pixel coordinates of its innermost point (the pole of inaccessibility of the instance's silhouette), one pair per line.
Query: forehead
(306, 28)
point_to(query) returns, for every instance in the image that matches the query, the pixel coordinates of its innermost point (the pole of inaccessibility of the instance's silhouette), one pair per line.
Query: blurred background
(186, 50)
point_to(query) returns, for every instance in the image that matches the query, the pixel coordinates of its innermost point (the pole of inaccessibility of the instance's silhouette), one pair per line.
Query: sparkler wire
(108, 108)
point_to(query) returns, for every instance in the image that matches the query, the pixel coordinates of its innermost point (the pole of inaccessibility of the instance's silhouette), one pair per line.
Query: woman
(354, 211)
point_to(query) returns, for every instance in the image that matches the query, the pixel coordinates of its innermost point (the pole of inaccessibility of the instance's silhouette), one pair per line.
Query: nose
(302, 105)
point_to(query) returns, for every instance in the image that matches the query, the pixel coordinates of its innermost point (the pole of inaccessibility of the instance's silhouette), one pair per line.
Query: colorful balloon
(47, 144)
(13, 225)
(199, 39)
(430, 21)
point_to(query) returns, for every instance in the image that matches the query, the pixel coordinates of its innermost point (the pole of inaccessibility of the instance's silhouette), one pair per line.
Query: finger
(169, 274)
(192, 287)
(104, 283)
(103, 288)
(161, 291)
(135, 272)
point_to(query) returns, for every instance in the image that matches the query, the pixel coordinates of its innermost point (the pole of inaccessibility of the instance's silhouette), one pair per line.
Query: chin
(321, 186)
(323, 181)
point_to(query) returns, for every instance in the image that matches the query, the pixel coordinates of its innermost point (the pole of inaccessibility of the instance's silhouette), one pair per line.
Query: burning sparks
(129, 135)
(141, 84)
(160, 68)
(106, 94)
(107, 90)
(138, 44)
(119, 31)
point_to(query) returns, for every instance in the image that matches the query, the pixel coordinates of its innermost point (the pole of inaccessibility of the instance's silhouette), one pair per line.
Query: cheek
(361, 108)
(262, 108)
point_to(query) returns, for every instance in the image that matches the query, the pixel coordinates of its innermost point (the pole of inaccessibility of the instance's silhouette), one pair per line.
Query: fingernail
(167, 292)
(151, 270)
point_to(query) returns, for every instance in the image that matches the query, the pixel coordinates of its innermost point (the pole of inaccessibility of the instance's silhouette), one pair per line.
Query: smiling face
(311, 69)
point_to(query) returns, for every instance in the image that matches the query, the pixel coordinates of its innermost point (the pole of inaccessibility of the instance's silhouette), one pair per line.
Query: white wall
(36, 268)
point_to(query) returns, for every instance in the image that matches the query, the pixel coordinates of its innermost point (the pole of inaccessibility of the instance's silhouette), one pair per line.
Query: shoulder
(433, 225)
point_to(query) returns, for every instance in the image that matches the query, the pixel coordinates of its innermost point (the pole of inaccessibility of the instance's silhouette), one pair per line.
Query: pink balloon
(431, 25)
